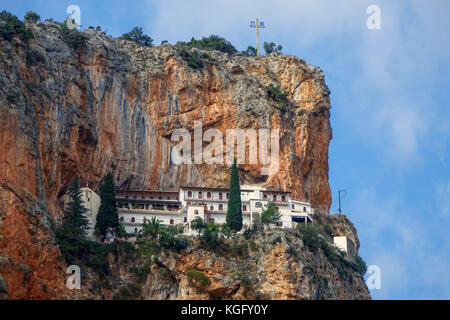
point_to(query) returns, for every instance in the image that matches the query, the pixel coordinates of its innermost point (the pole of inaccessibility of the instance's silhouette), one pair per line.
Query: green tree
(152, 228)
(213, 42)
(107, 217)
(198, 224)
(31, 17)
(251, 51)
(270, 47)
(138, 36)
(270, 216)
(234, 212)
(10, 26)
(75, 222)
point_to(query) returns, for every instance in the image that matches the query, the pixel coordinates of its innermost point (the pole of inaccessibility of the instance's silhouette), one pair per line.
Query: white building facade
(180, 208)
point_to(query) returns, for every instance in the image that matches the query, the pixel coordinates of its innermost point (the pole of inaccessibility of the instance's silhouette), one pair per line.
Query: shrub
(141, 273)
(361, 265)
(72, 37)
(198, 277)
(310, 234)
(10, 26)
(138, 36)
(194, 59)
(251, 51)
(270, 47)
(213, 42)
(244, 280)
(31, 17)
(281, 97)
(239, 249)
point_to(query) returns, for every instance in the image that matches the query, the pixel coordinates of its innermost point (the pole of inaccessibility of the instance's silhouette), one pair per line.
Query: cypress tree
(71, 237)
(75, 222)
(234, 211)
(107, 217)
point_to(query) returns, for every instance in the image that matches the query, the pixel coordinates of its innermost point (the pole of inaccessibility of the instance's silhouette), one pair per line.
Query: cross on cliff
(257, 25)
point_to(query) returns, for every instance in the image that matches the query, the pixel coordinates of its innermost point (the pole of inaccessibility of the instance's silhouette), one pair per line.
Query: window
(211, 220)
(304, 209)
(189, 194)
(274, 197)
(279, 224)
(283, 198)
(293, 207)
(200, 195)
(171, 221)
(277, 209)
(121, 219)
(185, 219)
(133, 219)
(220, 207)
(145, 220)
(228, 195)
(258, 205)
(196, 212)
(244, 208)
(220, 196)
(265, 196)
(208, 195)
(211, 208)
(136, 230)
(168, 198)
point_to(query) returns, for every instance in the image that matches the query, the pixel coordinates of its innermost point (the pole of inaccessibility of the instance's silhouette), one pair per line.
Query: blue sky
(390, 109)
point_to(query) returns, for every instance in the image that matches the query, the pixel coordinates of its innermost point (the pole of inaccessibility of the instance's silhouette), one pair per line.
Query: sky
(390, 109)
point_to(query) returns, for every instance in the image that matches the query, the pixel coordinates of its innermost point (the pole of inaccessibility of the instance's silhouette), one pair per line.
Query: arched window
(208, 195)
(258, 205)
(283, 198)
(200, 195)
(189, 194)
(228, 195)
(133, 219)
(220, 196)
(265, 196)
(135, 230)
(244, 208)
(304, 209)
(171, 221)
(274, 197)
(211, 208)
(185, 219)
(121, 219)
(220, 207)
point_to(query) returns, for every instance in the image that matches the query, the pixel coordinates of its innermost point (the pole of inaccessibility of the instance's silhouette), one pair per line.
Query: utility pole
(257, 25)
(344, 193)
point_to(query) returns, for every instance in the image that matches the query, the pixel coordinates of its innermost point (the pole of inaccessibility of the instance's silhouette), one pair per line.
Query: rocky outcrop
(271, 265)
(111, 105)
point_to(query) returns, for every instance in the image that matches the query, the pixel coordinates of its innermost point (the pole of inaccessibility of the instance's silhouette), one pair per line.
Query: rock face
(112, 105)
(275, 265)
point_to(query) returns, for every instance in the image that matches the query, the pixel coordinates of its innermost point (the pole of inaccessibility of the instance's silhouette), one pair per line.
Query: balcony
(150, 211)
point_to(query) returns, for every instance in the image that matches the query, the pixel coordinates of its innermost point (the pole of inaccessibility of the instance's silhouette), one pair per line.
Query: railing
(148, 211)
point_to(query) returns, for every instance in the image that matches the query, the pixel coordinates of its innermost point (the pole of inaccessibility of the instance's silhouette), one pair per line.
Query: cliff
(111, 105)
